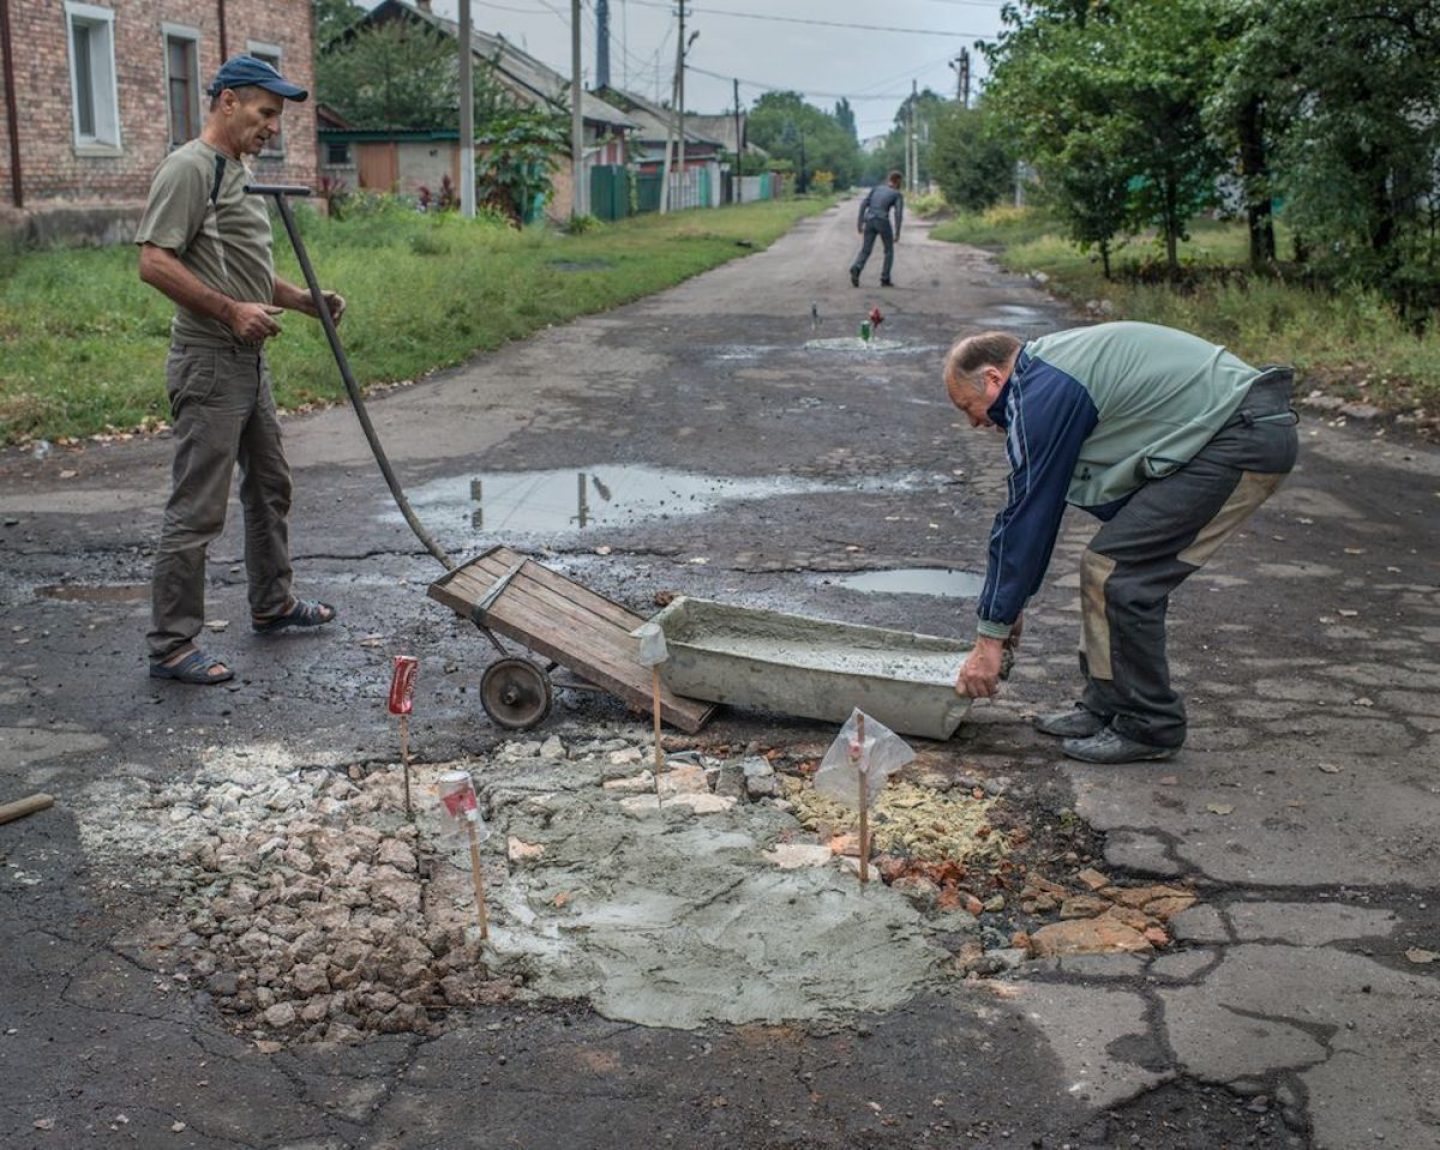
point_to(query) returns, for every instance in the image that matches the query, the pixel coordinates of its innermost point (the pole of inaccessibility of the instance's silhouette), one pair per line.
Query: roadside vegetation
(1351, 343)
(1138, 129)
(83, 341)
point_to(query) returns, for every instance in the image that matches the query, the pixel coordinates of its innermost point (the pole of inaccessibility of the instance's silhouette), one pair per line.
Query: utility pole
(739, 150)
(670, 122)
(680, 101)
(911, 175)
(577, 118)
(961, 64)
(467, 115)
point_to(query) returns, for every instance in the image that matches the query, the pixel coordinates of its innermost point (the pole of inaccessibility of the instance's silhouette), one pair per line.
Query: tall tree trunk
(1255, 176)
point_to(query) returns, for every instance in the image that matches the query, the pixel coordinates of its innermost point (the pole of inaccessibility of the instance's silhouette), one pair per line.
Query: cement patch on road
(675, 919)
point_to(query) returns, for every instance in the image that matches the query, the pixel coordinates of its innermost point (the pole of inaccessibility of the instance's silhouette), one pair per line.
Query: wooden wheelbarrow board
(566, 623)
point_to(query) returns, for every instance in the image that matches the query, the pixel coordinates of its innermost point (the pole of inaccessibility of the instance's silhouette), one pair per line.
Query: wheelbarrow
(564, 626)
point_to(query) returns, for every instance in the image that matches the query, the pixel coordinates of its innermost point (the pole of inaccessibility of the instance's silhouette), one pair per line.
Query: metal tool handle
(327, 321)
(277, 190)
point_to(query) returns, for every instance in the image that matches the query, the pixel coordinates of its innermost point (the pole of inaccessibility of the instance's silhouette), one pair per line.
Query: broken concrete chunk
(517, 850)
(792, 856)
(635, 784)
(1087, 936)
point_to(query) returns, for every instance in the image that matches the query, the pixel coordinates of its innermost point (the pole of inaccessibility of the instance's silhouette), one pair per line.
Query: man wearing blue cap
(206, 245)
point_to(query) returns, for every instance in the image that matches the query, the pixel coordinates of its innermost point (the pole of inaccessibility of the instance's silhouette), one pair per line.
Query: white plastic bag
(879, 756)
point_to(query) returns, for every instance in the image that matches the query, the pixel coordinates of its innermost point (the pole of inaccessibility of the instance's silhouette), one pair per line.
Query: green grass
(83, 341)
(1350, 344)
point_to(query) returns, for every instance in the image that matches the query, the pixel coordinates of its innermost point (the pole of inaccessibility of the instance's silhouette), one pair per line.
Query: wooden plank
(592, 602)
(567, 623)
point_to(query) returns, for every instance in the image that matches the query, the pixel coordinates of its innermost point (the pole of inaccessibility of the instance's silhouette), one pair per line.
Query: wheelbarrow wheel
(515, 693)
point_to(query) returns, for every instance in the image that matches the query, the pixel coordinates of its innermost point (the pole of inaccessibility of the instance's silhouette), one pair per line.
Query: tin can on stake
(402, 684)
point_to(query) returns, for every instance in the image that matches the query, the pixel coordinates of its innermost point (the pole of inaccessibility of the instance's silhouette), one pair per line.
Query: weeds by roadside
(83, 341)
(1350, 344)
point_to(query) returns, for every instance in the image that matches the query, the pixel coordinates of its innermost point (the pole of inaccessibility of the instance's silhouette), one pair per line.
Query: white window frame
(271, 54)
(170, 32)
(104, 88)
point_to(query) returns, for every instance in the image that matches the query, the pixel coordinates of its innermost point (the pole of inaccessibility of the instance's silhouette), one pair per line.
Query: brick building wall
(97, 192)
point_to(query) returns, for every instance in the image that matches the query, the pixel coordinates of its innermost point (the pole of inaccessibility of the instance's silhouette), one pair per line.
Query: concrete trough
(813, 668)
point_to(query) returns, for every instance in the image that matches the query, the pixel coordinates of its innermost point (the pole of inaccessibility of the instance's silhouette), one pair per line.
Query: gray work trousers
(873, 228)
(223, 413)
(1166, 531)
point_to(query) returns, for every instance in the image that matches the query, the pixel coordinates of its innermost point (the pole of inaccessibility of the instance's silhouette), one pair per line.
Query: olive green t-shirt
(227, 243)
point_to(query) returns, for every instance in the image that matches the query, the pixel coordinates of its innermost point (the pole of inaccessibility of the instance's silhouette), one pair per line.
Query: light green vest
(1162, 395)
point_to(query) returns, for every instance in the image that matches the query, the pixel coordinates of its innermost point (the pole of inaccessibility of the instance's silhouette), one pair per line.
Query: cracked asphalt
(1294, 1009)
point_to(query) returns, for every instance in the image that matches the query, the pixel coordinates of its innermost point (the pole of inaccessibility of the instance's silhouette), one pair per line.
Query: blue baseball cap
(250, 72)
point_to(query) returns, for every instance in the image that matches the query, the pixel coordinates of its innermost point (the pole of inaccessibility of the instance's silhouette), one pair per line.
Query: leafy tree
(1355, 104)
(786, 126)
(845, 117)
(402, 74)
(517, 154)
(972, 165)
(1118, 87)
(333, 18)
(929, 107)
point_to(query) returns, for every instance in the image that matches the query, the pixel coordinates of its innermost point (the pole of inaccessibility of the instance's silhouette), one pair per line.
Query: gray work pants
(1166, 531)
(873, 228)
(223, 413)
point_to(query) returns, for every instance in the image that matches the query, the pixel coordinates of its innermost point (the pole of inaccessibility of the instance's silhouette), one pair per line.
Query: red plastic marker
(402, 696)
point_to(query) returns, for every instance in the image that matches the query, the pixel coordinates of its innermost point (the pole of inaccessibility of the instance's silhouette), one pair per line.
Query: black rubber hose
(280, 191)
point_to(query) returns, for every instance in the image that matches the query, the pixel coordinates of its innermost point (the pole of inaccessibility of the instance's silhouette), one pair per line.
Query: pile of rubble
(309, 908)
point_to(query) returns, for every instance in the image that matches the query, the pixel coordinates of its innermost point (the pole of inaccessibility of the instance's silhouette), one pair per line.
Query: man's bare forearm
(162, 270)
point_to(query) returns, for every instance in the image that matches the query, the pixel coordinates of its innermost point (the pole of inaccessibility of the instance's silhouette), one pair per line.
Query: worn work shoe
(1109, 746)
(854, 278)
(1076, 723)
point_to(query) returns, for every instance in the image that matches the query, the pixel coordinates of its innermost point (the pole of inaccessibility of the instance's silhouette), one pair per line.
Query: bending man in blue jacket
(1173, 442)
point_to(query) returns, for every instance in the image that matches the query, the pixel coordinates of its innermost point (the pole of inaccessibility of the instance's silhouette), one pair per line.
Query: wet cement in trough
(671, 917)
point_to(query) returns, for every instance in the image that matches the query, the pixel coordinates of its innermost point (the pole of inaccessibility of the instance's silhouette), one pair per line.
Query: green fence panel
(647, 192)
(609, 192)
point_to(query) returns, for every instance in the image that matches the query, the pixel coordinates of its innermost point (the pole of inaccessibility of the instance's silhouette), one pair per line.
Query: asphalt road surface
(720, 456)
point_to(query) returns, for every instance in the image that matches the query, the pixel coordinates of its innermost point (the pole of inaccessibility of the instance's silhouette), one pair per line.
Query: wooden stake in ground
(402, 694)
(9, 812)
(478, 875)
(652, 654)
(457, 798)
(862, 772)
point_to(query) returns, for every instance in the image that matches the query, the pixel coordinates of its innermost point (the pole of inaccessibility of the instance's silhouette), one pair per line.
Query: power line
(817, 23)
(803, 91)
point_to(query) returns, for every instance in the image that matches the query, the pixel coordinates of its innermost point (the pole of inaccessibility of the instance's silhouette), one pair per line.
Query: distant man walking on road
(1173, 442)
(206, 245)
(874, 221)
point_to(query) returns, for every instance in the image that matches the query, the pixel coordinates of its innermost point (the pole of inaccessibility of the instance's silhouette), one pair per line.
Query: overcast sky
(799, 44)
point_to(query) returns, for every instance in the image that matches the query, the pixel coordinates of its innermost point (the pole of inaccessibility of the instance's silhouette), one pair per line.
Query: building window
(337, 154)
(270, 53)
(182, 83)
(95, 101)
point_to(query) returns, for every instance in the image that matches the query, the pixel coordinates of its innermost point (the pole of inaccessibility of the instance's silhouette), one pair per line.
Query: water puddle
(1014, 315)
(90, 593)
(947, 582)
(553, 503)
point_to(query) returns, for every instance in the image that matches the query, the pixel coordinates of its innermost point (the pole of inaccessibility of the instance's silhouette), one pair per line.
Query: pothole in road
(308, 908)
(854, 344)
(945, 582)
(548, 503)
